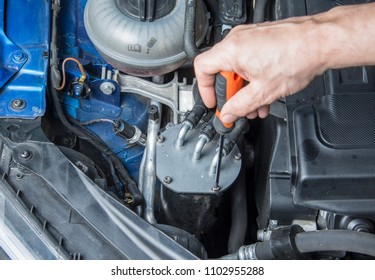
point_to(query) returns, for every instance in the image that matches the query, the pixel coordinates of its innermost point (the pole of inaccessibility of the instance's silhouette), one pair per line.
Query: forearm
(345, 36)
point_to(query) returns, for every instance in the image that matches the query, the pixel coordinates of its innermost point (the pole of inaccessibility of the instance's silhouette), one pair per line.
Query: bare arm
(282, 57)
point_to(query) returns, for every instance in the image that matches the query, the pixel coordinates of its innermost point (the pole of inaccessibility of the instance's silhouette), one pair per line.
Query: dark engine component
(143, 38)
(322, 154)
(189, 199)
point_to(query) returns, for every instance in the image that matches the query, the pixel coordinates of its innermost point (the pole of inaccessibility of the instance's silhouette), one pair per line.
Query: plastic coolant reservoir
(140, 42)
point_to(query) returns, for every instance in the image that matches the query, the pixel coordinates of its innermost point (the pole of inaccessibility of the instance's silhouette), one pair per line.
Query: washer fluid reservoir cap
(140, 37)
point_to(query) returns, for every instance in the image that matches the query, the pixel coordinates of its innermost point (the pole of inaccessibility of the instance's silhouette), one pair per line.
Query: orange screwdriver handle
(227, 84)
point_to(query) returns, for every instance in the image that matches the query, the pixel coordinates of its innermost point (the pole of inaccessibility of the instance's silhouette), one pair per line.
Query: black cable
(336, 240)
(128, 183)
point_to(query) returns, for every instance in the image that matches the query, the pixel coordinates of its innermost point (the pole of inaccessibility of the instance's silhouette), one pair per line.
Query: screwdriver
(227, 84)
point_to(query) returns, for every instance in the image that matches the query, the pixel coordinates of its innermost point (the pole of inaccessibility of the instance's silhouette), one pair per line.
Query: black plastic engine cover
(335, 143)
(323, 156)
(332, 137)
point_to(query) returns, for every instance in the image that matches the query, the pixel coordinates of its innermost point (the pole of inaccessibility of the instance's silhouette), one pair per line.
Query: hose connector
(131, 133)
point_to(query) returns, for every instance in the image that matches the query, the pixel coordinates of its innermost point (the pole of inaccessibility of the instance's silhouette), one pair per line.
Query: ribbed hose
(190, 47)
(336, 240)
(260, 11)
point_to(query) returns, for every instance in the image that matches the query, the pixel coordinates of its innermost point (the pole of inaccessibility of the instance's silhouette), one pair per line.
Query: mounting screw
(160, 138)
(25, 154)
(19, 57)
(238, 156)
(167, 180)
(216, 188)
(18, 104)
(107, 88)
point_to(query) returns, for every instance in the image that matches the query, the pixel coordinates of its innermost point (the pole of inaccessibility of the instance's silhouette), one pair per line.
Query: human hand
(276, 58)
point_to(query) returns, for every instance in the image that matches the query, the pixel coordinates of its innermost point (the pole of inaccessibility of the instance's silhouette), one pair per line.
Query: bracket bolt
(19, 57)
(153, 112)
(107, 88)
(167, 180)
(160, 138)
(25, 154)
(18, 104)
(238, 156)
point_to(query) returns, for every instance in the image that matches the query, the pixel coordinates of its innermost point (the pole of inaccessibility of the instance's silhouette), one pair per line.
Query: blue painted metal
(74, 42)
(96, 105)
(73, 39)
(12, 58)
(107, 106)
(127, 107)
(24, 36)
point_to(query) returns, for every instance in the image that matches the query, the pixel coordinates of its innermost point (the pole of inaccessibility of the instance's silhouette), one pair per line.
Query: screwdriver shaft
(220, 151)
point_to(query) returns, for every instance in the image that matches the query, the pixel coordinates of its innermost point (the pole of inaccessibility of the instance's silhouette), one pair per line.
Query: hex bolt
(153, 113)
(160, 138)
(18, 104)
(238, 156)
(25, 154)
(107, 88)
(167, 180)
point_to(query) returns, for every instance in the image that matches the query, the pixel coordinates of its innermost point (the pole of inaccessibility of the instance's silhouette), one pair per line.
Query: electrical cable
(97, 121)
(81, 69)
(135, 197)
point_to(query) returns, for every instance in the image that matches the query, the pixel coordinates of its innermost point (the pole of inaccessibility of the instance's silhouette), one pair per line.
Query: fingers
(206, 65)
(263, 111)
(246, 103)
(206, 84)
(242, 104)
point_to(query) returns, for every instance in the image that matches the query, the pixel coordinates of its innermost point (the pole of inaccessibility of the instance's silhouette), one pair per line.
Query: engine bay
(108, 152)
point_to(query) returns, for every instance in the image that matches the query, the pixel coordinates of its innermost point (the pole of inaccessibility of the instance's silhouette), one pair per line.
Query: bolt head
(216, 188)
(153, 113)
(238, 156)
(160, 138)
(107, 88)
(18, 104)
(167, 180)
(19, 57)
(25, 154)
